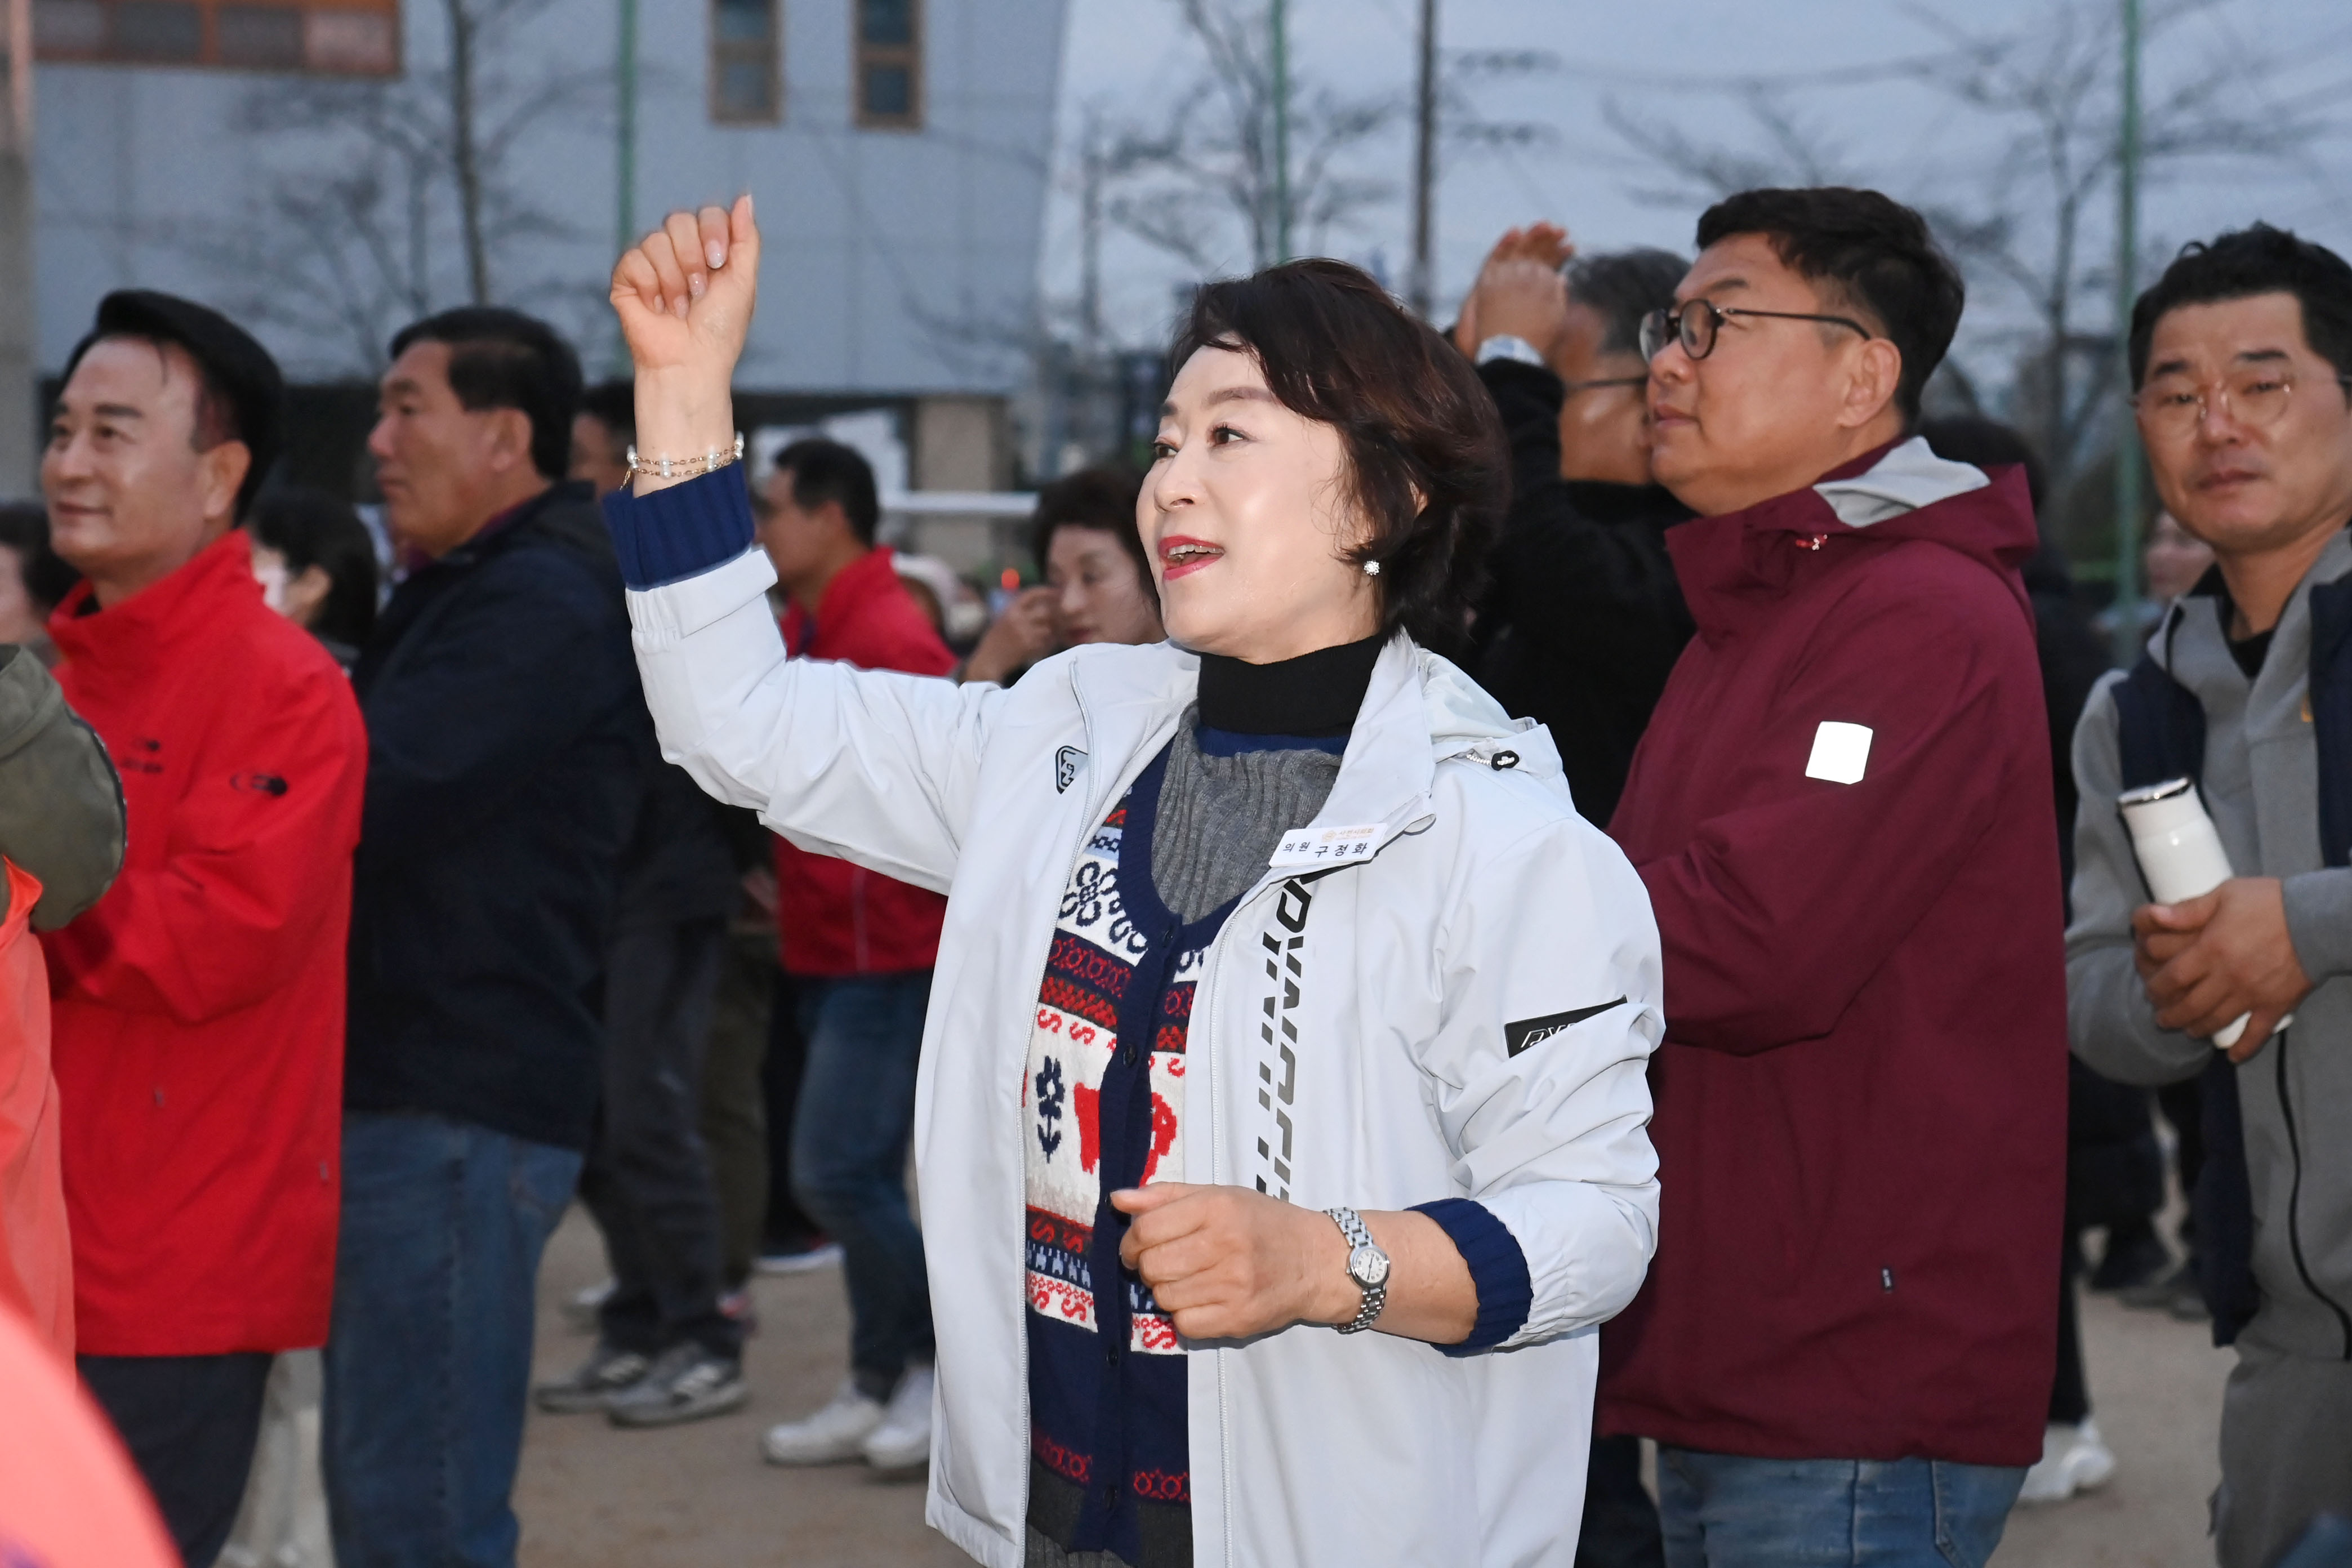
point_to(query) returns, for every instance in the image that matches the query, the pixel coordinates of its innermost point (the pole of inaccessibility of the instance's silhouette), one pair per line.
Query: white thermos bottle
(2179, 853)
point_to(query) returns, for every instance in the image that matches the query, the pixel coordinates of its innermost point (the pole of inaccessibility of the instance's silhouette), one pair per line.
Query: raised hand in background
(1539, 246)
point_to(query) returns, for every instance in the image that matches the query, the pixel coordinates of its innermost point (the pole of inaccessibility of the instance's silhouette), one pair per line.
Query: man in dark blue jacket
(508, 748)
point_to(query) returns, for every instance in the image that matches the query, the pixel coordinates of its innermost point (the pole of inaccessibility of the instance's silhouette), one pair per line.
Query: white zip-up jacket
(1466, 1011)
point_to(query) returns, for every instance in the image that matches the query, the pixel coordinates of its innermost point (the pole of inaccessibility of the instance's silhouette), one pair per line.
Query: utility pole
(624, 174)
(1094, 173)
(1278, 22)
(1423, 290)
(2127, 450)
(19, 336)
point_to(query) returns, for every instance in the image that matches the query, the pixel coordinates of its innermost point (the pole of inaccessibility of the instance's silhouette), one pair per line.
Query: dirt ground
(591, 1496)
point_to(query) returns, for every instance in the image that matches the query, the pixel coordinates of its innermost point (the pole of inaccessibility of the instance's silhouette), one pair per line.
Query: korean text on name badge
(1302, 847)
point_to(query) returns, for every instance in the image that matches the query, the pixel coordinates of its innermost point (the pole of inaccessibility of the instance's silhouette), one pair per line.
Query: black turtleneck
(1313, 695)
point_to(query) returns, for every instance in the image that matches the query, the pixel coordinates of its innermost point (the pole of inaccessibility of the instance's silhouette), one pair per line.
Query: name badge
(1309, 847)
(1841, 752)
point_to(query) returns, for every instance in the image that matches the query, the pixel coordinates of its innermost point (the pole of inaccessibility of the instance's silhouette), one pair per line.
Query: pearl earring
(1372, 568)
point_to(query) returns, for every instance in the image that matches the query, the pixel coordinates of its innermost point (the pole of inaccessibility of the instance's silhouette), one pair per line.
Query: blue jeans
(1725, 1511)
(428, 1361)
(850, 1132)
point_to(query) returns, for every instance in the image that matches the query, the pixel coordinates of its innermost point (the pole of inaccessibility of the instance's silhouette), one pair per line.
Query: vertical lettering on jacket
(1277, 1061)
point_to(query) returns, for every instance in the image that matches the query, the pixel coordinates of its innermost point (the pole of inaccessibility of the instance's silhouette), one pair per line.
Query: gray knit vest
(1220, 817)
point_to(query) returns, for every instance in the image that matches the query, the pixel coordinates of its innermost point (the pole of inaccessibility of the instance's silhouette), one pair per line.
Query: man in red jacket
(859, 949)
(1842, 810)
(198, 1007)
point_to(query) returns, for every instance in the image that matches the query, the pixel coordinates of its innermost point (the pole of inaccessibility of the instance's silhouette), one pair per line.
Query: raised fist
(685, 298)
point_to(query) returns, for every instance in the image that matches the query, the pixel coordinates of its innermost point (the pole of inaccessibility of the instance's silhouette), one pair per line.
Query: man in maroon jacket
(859, 949)
(1842, 813)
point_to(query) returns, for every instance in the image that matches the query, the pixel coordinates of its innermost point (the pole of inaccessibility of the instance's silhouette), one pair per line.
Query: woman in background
(316, 562)
(1097, 588)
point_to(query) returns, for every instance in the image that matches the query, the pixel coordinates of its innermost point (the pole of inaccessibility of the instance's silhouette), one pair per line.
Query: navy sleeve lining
(681, 532)
(1497, 1268)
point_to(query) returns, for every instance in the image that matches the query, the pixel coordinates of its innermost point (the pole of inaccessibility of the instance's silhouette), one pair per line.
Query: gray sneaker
(607, 1370)
(685, 1382)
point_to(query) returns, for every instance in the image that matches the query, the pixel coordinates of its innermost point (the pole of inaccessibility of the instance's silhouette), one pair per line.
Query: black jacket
(679, 865)
(508, 754)
(1583, 619)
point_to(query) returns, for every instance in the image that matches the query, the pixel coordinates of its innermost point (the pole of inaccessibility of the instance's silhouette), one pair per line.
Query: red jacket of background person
(198, 1006)
(35, 1258)
(1862, 1095)
(833, 917)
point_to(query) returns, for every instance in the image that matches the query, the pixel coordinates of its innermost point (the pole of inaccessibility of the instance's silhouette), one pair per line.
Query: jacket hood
(1465, 722)
(1736, 565)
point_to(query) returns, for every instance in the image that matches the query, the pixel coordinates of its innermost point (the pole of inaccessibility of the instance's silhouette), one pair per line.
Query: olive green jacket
(61, 815)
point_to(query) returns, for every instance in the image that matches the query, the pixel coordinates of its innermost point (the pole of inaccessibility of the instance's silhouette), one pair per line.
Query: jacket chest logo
(1066, 763)
(143, 755)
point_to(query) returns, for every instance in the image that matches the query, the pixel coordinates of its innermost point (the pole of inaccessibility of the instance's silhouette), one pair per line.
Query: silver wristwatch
(1368, 1265)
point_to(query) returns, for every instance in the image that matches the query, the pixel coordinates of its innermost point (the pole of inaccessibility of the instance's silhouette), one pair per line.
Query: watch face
(1368, 1265)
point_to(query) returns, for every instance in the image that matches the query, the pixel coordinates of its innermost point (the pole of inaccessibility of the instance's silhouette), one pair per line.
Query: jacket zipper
(1205, 1007)
(2294, 1203)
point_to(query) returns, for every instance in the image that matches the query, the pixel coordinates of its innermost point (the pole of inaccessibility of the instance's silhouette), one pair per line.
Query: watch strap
(1375, 1297)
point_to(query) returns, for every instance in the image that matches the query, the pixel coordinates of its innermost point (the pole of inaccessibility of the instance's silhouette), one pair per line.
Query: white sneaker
(833, 1433)
(903, 1440)
(2074, 1459)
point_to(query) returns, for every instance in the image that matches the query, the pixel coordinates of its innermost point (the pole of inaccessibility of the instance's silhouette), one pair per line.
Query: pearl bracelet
(685, 468)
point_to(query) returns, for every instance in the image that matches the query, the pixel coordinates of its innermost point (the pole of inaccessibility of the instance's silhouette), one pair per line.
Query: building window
(890, 63)
(746, 75)
(346, 37)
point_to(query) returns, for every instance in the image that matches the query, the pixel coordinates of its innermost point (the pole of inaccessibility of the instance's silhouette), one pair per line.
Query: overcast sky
(1680, 64)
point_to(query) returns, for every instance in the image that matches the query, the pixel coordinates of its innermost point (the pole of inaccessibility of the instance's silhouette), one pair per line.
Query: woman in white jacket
(1282, 989)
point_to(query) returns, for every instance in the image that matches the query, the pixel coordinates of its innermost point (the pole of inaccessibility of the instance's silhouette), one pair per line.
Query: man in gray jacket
(2240, 355)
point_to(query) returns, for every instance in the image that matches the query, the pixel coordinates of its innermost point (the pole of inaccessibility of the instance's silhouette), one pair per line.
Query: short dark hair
(1102, 499)
(312, 528)
(613, 405)
(1872, 254)
(825, 471)
(241, 392)
(1623, 286)
(25, 529)
(1414, 417)
(504, 359)
(2258, 260)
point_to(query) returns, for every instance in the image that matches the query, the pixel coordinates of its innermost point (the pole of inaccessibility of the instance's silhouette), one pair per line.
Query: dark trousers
(190, 1422)
(856, 1117)
(1621, 1519)
(734, 1116)
(647, 1180)
(2070, 1391)
(780, 1082)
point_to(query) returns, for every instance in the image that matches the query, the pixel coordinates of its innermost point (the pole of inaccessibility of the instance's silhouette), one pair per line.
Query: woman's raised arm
(872, 765)
(685, 296)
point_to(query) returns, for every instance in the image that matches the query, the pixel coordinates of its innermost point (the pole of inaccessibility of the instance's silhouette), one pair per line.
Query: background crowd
(355, 925)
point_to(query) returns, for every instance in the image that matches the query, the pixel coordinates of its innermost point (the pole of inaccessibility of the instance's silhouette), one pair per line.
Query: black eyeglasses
(1695, 322)
(1573, 387)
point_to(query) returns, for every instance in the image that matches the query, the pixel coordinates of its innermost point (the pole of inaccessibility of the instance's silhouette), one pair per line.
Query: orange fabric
(68, 1497)
(35, 1255)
